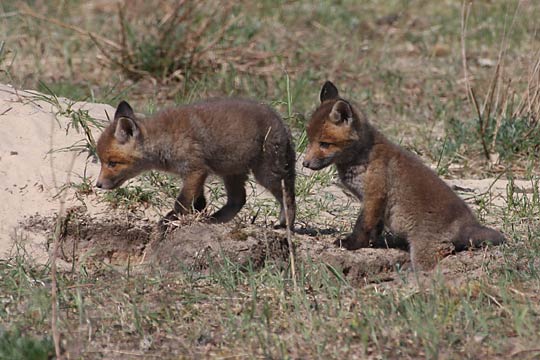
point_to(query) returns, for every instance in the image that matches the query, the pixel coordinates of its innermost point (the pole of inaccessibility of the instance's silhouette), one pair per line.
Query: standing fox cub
(227, 137)
(397, 190)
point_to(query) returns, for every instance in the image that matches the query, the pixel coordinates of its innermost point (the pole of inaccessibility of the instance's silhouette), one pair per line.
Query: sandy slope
(29, 129)
(30, 177)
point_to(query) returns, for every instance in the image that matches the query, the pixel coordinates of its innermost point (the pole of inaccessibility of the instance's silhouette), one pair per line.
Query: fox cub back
(397, 190)
(227, 137)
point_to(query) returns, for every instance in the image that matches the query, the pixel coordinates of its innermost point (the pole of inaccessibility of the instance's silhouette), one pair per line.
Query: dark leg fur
(370, 224)
(192, 194)
(277, 191)
(477, 235)
(236, 198)
(181, 207)
(191, 197)
(360, 238)
(290, 198)
(290, 202)
(275, 165)
(200, 203)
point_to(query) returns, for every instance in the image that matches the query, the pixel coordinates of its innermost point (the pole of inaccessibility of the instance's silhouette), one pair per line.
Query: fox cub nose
(305, 163)
(99, 184)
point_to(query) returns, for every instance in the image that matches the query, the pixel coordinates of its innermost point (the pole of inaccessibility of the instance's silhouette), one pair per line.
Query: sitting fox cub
(228, 137)
(397, 190)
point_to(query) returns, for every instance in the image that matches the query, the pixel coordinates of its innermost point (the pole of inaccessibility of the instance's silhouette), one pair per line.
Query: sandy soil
(31, 178)
(30, 175)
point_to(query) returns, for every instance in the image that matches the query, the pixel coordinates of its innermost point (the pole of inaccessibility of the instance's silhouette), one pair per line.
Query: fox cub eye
(324, 145)
(112, 164)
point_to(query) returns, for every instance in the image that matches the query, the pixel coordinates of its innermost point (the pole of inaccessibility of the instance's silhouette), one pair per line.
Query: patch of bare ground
(112, 240)
(197, 246)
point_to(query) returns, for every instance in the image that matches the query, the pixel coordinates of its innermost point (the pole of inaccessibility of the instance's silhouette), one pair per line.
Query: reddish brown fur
(227, 137)
(398, 191)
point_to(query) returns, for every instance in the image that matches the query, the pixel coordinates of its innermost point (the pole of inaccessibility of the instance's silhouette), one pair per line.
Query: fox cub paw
(166, 220)
(352, 242)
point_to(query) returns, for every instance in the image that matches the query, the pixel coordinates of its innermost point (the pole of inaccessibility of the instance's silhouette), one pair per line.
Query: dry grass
(500, 104)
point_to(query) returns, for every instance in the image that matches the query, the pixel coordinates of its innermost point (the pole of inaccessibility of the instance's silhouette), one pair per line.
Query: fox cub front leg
(362, 236)
(370, 222)
(191, 197)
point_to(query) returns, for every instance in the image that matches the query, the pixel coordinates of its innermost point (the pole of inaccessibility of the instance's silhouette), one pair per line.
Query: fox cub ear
(124, 110)
(341, 113)
(126, 129)
(328, 92)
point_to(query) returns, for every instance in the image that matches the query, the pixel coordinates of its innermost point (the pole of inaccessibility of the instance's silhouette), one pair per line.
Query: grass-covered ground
(457, 84)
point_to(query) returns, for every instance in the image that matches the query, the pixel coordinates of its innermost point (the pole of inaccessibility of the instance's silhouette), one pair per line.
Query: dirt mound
(198, 246)
(107, 240)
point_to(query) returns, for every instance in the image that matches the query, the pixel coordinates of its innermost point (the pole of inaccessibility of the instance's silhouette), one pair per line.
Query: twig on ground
(289, 235)
(56, 237)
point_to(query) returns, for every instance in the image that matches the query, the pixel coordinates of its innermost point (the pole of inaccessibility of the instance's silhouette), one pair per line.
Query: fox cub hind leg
(272, 182)
(236, 198)
(277, 165)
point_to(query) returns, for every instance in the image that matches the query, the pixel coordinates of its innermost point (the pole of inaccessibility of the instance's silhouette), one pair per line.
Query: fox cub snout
(227, 137)
(397, 190)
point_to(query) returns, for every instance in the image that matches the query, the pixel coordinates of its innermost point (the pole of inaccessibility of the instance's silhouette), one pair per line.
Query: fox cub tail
(476, 236)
